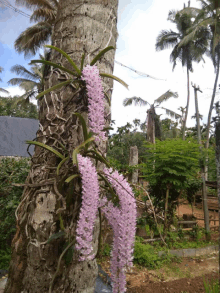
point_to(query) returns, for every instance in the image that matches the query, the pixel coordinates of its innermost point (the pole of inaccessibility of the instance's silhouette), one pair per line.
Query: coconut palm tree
(186, 54)
(151, 114)
(32, 81)
(1, 89)
(49, 205)
(207, 18)
(30, 41)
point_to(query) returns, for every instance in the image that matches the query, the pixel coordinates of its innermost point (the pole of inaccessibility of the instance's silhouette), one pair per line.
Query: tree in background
(32, 80)
(206, 19)
(8, 107)
(168, 166)
(152, 118)
(1, 89)
(30, 41)
(186, 54)
(119, 145)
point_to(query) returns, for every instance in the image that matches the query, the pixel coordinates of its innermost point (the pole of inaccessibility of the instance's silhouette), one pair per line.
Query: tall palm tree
(151, 114)
(32, 81)
(207, 18)
(81, 27)
(186, 54)
(1, 89)
(30, 41)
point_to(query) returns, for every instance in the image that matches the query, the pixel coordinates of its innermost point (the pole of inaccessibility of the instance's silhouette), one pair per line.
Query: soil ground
(184, 277)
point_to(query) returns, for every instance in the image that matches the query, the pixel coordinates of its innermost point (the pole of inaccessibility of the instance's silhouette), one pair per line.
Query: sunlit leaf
(71, 177)
(115, 78)
(67, 57)
(100, 54)
(54, 65)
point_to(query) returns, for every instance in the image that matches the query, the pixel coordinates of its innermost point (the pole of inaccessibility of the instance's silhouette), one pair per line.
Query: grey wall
(14, 131)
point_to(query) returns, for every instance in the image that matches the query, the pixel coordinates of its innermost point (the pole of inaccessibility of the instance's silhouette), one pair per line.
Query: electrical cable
(138, 72)
(8, 5)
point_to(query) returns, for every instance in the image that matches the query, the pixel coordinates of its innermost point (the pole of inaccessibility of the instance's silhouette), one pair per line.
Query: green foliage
(8, 108)
(105, 250)
(5, 257)
(147, 256)
(171, 162)
(12, 171)
(212, 287)
(119, 145)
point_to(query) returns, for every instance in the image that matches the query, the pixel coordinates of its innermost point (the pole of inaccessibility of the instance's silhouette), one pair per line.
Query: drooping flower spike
(88, 212)
(96, 101)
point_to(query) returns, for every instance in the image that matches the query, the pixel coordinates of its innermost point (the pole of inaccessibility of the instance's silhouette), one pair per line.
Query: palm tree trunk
(187, 105)
(79, 27)
(212, 101)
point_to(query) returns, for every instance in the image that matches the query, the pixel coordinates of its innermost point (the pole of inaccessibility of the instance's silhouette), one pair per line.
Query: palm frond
(18, 81)
(166, 39)
(191, 11)
(28, 85)
(33, 38)
(172, 113)
(21, 70)
(136, 101)
(195, 31)
(33, 3)
(166, 96)
(44, 14)
(3, 90)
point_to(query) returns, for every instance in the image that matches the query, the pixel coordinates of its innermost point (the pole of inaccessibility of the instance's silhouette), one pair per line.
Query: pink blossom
(90, 202)
(96, 100)
(123, 222)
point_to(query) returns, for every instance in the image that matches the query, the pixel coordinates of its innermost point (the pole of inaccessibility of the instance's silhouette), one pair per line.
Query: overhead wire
(8, 5)
(138, 72)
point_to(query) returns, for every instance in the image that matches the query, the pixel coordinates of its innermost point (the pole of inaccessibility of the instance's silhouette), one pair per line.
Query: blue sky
(139, 23)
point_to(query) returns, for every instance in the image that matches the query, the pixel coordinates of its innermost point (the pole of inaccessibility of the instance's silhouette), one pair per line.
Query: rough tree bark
(81, 26)
(217, 133)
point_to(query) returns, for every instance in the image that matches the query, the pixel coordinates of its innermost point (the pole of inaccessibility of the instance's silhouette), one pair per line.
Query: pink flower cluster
(96, 100)
(90, 202)
(123, 222)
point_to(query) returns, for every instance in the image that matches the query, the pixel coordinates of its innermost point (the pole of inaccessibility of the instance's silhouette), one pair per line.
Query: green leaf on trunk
(82, 62)
(55, 87)
(100, 54)
(77, 149)
(54, 65)
(99, 157)
(67, 57)
(46, 147)
(61, 163)
(56, 236)
(71, 178)
(82, 120)
(115, 78)
(68, 256)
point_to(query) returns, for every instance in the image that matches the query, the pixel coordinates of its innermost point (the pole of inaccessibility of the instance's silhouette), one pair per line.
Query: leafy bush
(12, 171)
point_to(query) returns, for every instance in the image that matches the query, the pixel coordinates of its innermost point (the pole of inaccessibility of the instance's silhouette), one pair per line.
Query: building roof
(14, 131)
